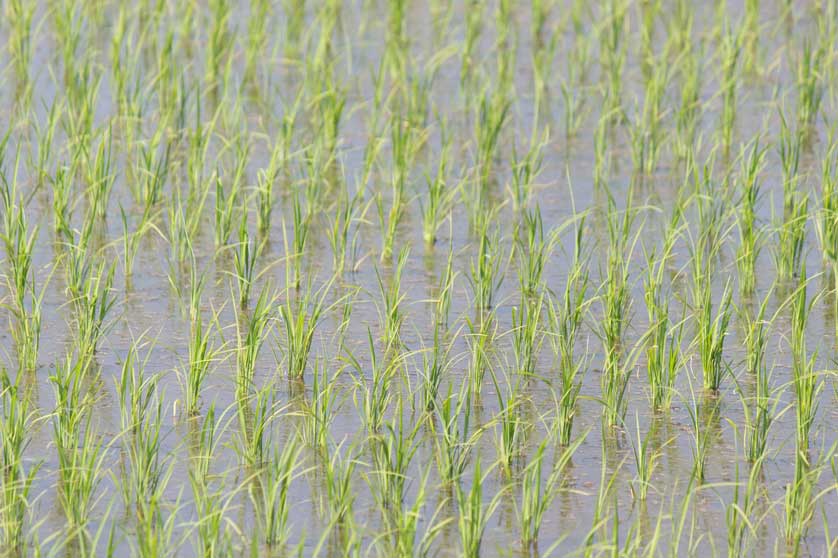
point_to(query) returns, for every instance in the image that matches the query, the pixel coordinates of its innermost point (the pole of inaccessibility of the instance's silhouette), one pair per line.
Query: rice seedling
(749, 231)
(408, 541)
(219, 44)
(25, 308)
(801, 497)
(404, 146)
(339, 493)
(141, 409)
(513, 428)
(391, 309)
(250, 336)
(663, 353)
(645, 460)
(301, 223)
(729, 64)
(481, 337)
(436, 362)
(506, 47)
(616, 304)
(299, 316)
(711, 332)
(474, 515)
(151, 171)
(701, 414)
(564, 320)
(605, 491)
(491, 116)
(806, 381)
(100, 177)
(80, 449)
(17, 479)
(131, 240)
(270, 491)
(809, 85)
(751, 60)
(320, 411)
(225, 206)
(62, 204)
(376, 394)
(711, 327)
(392, 451)
(256, 36)
(440, 199)
(20, 16)
(534, 251)
(267, 178)
(469, 62)
(46, 135)
(92, 301)
(791, 238)
(18, 239)
(203, 352)
(536, 496)
(342, 237)
(452, 447)
(689, 107)
(245, 254)
(758, 410)
(486, 272)
(739, 515)
(525, 170)
(647, 133)
(527, 335)
(613, 45)
(212, 504)
(828, 218)
(296, 12)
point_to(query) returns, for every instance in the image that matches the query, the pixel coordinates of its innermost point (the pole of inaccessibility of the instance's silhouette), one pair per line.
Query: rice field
(437, 278)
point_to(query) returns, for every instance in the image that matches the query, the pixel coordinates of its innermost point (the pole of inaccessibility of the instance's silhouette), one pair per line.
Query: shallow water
(149, 308)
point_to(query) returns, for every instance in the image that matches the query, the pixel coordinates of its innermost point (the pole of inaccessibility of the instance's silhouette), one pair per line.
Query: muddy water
(149, 309)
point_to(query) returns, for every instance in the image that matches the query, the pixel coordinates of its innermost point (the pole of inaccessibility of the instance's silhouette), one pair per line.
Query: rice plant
(250, 337)
(565, 322)
(440, 199)
(616, 305)
(645, 459)
(269, 492)
(391, 307)
(664, 356)
(25, 307)
(474, 514)
(319, 413)
(760, 408)
(92, 301)
(749, 231)
(453, 445)
(80, 448)
(730, 54)
(806, 381)
(486, 272)
(203, 351)
(536, 496)
(809, 84)
(17, 478)
(141, 409)
(828, 218)
(512, 427)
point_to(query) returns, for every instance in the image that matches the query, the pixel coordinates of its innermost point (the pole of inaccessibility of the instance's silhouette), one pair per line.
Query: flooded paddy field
(419, 278)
